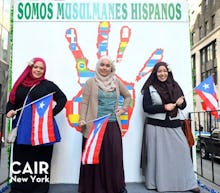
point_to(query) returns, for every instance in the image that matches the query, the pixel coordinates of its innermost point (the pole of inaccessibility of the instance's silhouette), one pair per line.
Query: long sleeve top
(154, 108)
(44, 88)
(89, 105)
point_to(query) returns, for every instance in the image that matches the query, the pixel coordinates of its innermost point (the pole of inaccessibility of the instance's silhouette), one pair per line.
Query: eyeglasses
(107, 65)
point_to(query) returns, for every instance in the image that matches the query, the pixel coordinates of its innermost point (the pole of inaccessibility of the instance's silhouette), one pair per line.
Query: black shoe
(123, 191)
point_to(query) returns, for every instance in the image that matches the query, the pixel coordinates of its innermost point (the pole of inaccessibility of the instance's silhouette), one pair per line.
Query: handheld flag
(93, 144)
(37, 125)
(206, 91)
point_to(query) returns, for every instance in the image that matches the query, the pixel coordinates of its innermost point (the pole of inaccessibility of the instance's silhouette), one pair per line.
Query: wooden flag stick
(98, 118)
(34, 102)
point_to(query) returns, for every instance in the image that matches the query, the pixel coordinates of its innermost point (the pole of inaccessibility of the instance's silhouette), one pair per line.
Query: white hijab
(106, 83)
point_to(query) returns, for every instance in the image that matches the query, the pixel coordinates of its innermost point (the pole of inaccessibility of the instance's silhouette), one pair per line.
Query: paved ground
(131, 188)
(205, 187)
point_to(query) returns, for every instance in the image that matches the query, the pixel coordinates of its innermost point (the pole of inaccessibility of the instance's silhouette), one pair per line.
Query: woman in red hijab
(32, 82)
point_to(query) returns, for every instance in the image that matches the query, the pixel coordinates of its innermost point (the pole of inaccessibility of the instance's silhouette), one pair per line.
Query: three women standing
(169, 166)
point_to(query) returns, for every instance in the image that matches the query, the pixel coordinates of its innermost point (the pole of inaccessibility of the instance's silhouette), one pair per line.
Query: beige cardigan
(89, 104)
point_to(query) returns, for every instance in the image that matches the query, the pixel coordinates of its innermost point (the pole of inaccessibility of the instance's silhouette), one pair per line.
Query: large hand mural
(84, 72)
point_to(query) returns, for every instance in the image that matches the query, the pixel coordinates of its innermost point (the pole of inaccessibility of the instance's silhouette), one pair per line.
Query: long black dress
(27, 155)
(108, 175)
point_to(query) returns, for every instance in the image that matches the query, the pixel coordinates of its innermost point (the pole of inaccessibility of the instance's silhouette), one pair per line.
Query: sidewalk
(131, 188)
(205, 187)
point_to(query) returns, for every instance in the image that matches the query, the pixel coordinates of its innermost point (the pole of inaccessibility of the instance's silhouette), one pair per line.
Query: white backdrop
(46, 38)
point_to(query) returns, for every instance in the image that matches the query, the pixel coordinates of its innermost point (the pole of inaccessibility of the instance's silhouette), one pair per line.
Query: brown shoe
(195, 190)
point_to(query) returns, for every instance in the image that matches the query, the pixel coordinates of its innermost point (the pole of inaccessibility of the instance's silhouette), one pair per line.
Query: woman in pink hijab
(32, 82)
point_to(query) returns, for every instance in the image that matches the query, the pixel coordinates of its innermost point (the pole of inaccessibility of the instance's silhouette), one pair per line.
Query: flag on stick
(37, 125)
(206, 91)
(93, 144)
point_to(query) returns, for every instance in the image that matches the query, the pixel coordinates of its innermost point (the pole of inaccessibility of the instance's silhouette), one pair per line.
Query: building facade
(4, 59)
(205, 40)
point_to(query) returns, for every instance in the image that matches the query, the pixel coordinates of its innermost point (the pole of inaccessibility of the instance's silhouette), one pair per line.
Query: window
(0, 95)
(4, 27)
(1, 11)
(193, 38)
(203, 57)
(7, 8)
(213, 22)
(4, 48)
(206, 30)
(209, 53)
(193, 62)
(213, 3)
(200, 32)
(206, 3)
(208, 64)
(214, 71)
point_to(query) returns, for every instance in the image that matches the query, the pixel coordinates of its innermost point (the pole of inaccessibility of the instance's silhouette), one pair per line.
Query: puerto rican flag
(42, 121)
(93, 144)
(206, 91)
(37, 125)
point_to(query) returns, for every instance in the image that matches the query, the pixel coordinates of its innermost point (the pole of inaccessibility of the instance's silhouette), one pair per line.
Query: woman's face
(105, 67)
(162, 73)
(38, 69)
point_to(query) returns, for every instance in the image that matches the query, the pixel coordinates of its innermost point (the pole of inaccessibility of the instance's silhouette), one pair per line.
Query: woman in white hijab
(100, 98)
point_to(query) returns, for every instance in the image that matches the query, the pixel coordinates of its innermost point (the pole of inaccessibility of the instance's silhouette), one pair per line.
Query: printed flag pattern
(37, 125)
(206, 91)
(42, 121)
(24, 126)
(93, 144)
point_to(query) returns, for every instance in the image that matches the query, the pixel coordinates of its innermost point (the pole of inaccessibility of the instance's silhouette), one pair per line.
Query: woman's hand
(180, 101)
(118, 112)
(82, 123)
(11, 114)
(170, 106)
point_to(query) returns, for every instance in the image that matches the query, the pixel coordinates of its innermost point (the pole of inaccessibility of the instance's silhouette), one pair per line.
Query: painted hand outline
(84, 73)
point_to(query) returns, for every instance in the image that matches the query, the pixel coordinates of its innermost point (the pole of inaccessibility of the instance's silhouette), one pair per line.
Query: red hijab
(26, 78)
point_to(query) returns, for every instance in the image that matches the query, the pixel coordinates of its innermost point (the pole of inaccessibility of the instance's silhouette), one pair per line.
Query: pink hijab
(26, 78)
